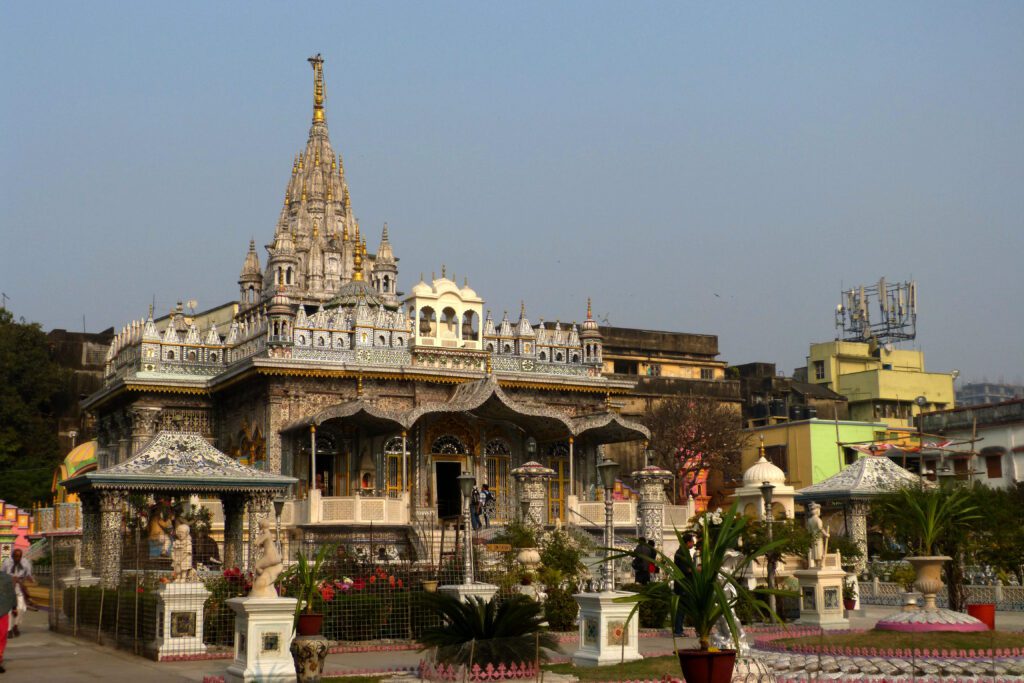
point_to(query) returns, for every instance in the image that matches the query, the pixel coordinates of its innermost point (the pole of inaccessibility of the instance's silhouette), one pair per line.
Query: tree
(33, 390)
(691, 436)
(999, 537)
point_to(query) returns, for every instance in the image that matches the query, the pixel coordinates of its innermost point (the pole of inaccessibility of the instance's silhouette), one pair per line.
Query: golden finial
(317, 157)
(330, 193)
(302, 159)
(347, 200)
(357, 264)
(316, 230)
(317, 63)
(590, 316)
(295, 164)
(334, 164)
(490, 368)
(344, 232)
(359, 385)
(761, 449)
(286, 197)
(303, 190)
(356, 234)
(341, 166)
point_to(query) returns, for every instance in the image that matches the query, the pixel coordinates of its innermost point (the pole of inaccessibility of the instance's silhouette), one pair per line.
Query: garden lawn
(896, 639)
(653, 667)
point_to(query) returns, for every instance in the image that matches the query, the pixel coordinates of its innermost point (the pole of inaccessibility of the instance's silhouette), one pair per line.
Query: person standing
(474, 508)
(487, 502)
(19, 569)
(8, 603)
(641, 563)
(686, 550)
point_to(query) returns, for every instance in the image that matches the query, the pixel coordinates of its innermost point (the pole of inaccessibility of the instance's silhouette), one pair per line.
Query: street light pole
(466, 484)
(609, 470)
(767, 488)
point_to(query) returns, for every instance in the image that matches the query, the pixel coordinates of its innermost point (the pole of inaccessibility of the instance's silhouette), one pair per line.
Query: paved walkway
(40, 655)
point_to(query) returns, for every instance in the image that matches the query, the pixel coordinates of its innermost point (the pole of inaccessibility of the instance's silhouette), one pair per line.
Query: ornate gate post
(858, 531)
(650, 513)
(259, 509)
(109, 552)
(234, 508)
(90, 541)
(532, 479)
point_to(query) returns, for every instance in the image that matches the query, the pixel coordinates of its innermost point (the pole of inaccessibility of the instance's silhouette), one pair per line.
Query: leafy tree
(691, 434)
(999, 536)
(493, 632)
(34, 389)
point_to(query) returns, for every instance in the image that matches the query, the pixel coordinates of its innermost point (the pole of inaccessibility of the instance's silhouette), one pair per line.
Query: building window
(776, 455)
(707, 373)
(819, 369)
(625, 367)
(849, 455)
(994, 466)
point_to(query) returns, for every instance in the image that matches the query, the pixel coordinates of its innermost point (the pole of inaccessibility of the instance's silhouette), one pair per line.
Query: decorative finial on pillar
(761, 448)
(522, 309)
(357, 264)
(317, 63)
(590, 316)
(443, 270)
(384, 236)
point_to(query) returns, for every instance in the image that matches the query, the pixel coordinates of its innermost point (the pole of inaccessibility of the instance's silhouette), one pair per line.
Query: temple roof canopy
(867, 477)
(179, 462)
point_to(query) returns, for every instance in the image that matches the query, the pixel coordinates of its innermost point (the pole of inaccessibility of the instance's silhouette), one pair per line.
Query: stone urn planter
(929, 576)
(529, 558)
(430, 585)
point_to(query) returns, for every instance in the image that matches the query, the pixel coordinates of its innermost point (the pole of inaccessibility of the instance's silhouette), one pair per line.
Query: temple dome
(763, 471)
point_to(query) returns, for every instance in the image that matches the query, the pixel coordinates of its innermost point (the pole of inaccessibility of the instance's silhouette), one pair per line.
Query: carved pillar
(259, 509)
(858, 531)
(234, 507)
(111, 504)
(144, 422)
(90, 542)
(532, 479)
(124, 444)
(275, 421)
(650, 513)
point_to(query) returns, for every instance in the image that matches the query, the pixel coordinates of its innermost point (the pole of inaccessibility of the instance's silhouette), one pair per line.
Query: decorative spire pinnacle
(344, 232)
(590, 316)
(317, 63)
(522, 309)
(443, 269)
(316, 230)
(341, 165)
(384, 234)
(303, 190)
(295, 165)
(357, 264)
(761, 448)
(330, 193)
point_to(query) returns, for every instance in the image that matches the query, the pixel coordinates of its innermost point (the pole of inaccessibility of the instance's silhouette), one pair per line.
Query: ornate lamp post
(767, 488)
(609, 470)
(466, 483)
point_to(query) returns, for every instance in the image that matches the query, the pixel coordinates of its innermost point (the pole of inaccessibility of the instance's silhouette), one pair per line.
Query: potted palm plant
(710, 592)
(923, 516)
(304, 578)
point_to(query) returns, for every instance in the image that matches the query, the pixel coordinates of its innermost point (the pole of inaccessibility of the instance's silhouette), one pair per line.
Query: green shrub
(654, 610)
(560, 609)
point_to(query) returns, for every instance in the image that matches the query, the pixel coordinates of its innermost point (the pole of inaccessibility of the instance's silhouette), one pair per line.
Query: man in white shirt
(20, 570)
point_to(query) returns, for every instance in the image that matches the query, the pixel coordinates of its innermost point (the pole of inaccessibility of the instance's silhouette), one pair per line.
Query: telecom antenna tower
(896, 319)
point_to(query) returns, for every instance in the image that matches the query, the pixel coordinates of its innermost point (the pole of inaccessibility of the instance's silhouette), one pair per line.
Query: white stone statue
(268, 567)
(181, 555)
(819, 534)
(721, 637)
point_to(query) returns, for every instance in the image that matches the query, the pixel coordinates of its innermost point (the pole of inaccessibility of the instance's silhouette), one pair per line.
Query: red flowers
(326, 592)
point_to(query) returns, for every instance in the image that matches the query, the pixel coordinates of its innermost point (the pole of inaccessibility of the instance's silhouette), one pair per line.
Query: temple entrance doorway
(449, 498)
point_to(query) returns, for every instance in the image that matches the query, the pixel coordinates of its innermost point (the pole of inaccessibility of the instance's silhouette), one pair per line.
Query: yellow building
(881, 383)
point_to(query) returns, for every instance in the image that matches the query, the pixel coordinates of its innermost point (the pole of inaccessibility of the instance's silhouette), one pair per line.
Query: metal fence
(888, 593)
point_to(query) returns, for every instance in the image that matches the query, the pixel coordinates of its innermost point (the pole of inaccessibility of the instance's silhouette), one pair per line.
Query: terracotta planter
(430, 586)
(310, 624)
(701, 666)
(929, 576)
(849, 604)
(529, 557)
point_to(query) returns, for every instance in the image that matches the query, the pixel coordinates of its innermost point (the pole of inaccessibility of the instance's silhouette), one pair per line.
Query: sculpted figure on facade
(816, 554)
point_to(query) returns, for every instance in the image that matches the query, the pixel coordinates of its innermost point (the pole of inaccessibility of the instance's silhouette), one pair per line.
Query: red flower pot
(310, 624)
(849, 603)
(702, 666)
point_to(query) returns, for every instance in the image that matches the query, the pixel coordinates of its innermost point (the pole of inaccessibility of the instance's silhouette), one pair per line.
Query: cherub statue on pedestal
(181, 555)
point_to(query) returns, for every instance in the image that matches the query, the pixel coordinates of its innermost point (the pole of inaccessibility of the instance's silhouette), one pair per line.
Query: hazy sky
(708, 167)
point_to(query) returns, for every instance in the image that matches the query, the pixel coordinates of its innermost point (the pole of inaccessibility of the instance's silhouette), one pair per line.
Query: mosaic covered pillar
(234, 508)
(108, 555)
(259, 509)
(532, 480)
(858, 531)
(650, 513)
(86, 556)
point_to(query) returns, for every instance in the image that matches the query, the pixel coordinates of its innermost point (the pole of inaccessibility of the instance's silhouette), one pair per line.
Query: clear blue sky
(711, 167)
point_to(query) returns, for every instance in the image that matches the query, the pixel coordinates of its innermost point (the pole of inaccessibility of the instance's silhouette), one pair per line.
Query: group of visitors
(481, 505)
(15, 575)
(645, 568)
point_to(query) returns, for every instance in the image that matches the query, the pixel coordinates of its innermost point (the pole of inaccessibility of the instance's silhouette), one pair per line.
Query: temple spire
(317, 63)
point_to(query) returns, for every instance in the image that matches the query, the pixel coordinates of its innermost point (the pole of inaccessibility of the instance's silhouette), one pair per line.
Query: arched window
(428, 322)
(321, 341)
(191, 355)
(507, 348)
(575, 358)
(213, 357)
(497, 447)
(490, 347)
(558, 357)
(386, 284)
(393, 465)
(170, 355)
(448, 445)
(382, 340)
(288, 276)
(449, 322)
(543, 355)
(470, 325)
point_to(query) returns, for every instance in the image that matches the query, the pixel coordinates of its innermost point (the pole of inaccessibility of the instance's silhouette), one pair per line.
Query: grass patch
(981, 640)
(654, 667)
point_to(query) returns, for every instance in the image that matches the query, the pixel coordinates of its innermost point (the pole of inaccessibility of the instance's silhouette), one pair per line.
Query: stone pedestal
(821, 594)
(79, 576)
(464, 591)
(605, 635)
(533, 479)
(650, 512)
(309, 654)
(263, 637)
(179, 625)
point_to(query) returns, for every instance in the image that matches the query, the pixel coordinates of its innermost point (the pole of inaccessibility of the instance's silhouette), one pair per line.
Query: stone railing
(887, 593)
(591, 513)
(355, 509)
(61, 517)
